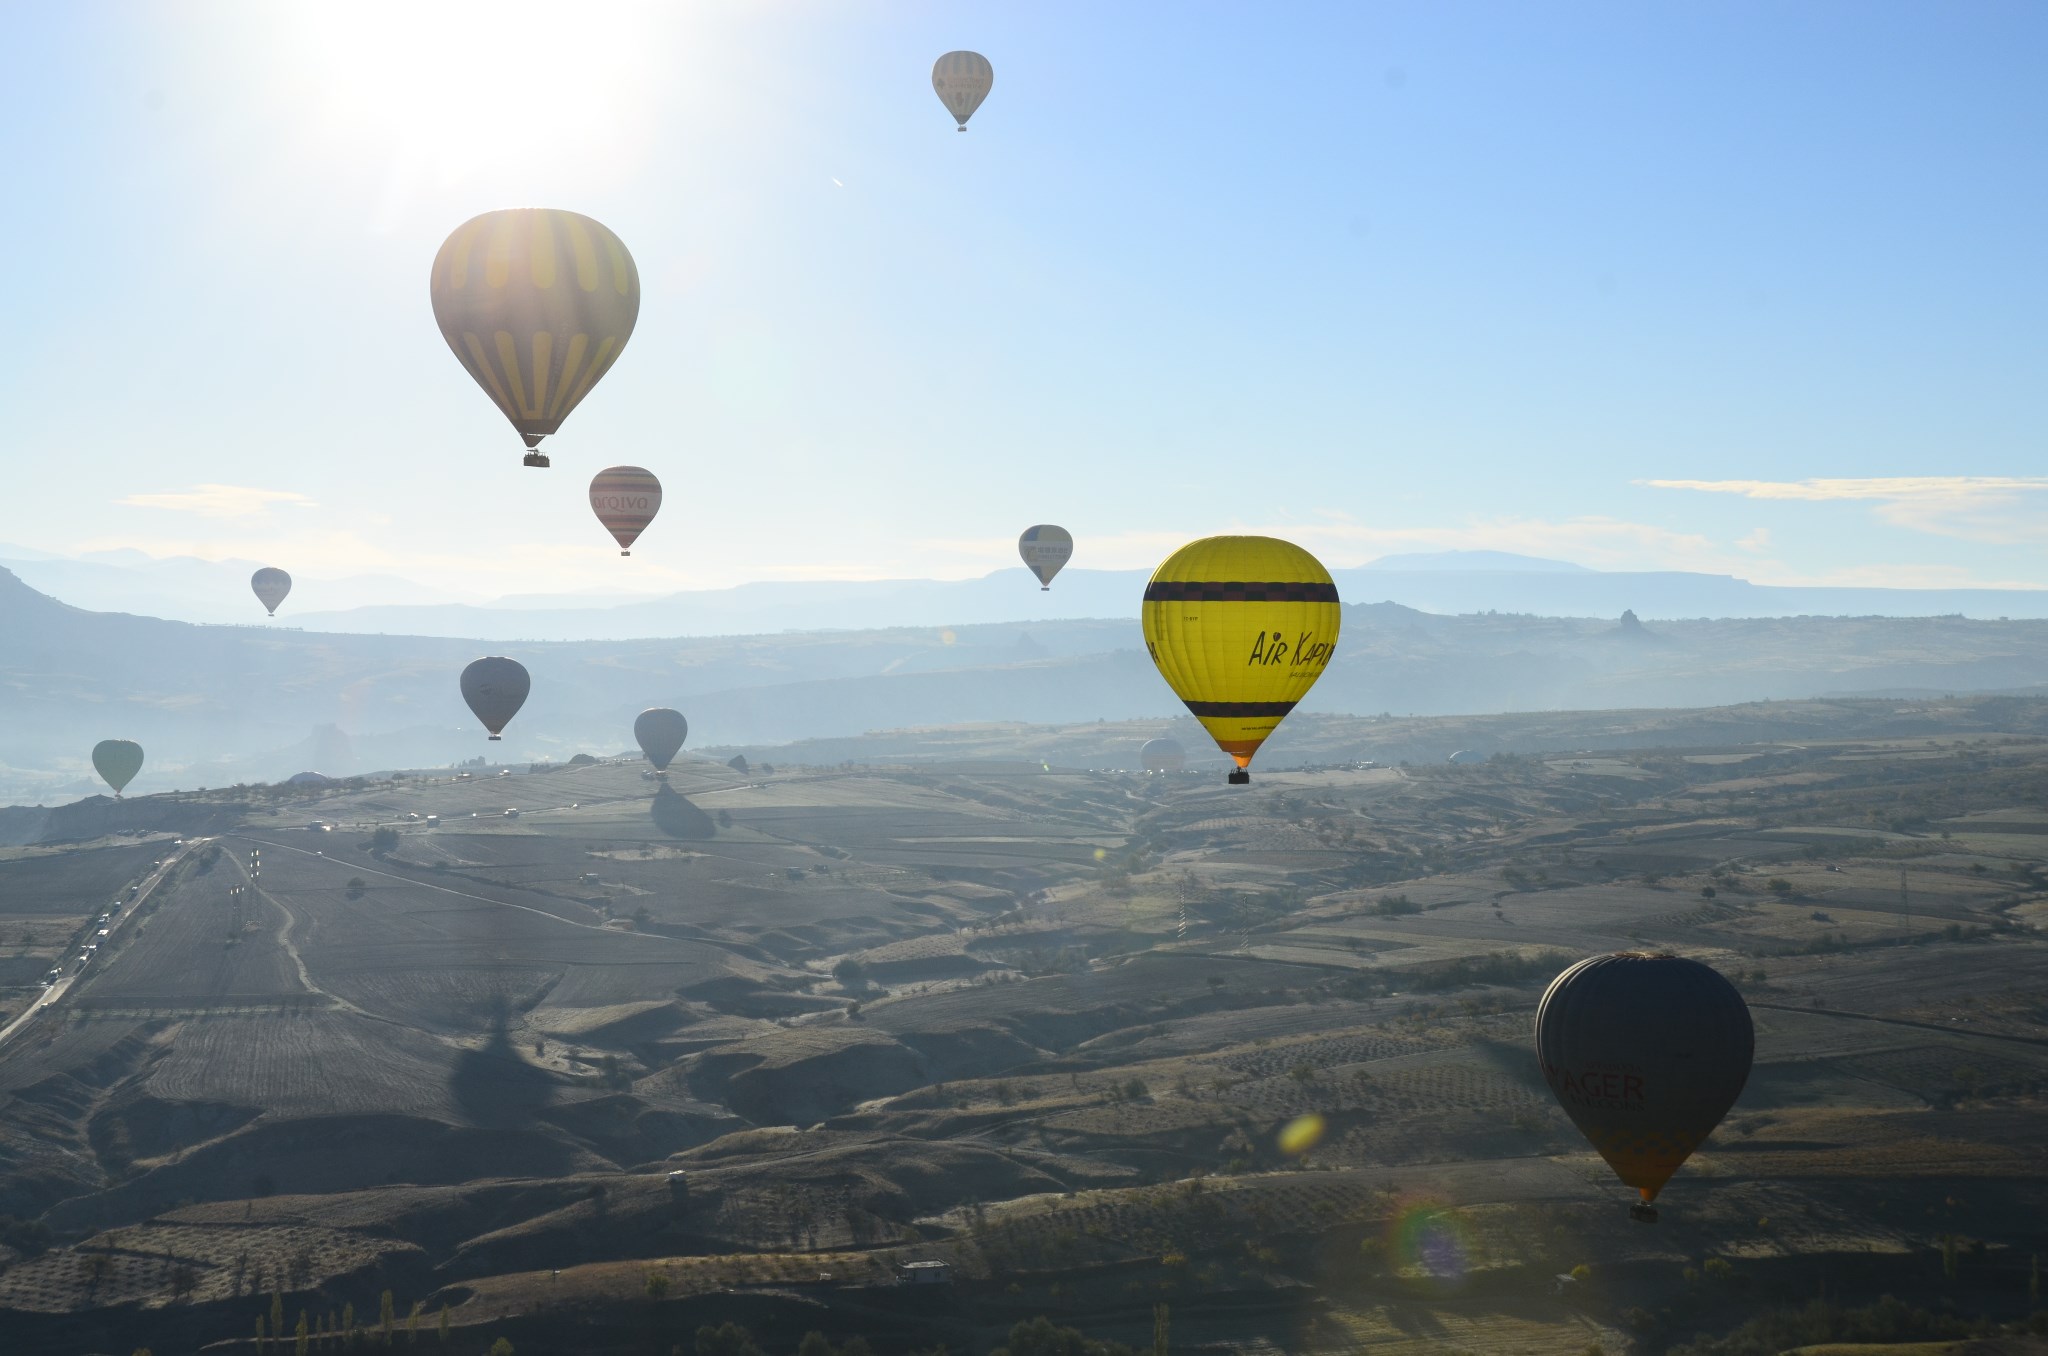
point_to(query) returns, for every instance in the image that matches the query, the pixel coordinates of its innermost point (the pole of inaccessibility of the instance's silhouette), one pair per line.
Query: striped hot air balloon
(1241, 628)
(962, 80)
(537, 304)
(625, 499)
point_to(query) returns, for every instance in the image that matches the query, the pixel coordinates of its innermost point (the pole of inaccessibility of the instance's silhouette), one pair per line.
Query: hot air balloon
(270, 586)
(117, 761)
(495, 688)
(661, 733)
(1045, 549)
(537, 305)
(963, 80)
(1646, 1053)
(1163, 755)
(625, 499)
(1241, 628)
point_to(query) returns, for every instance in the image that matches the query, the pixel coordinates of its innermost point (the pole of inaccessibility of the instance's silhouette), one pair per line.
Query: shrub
(657, 1285)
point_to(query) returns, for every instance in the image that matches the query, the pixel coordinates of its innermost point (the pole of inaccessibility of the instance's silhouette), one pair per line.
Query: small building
(924, 1273)
(590, 878)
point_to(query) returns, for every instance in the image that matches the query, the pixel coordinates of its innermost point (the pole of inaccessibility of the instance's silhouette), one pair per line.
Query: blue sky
(1745, 288)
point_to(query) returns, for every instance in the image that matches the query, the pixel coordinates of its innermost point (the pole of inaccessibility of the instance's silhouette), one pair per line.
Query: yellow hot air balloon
(1241, 628)
(537, 304)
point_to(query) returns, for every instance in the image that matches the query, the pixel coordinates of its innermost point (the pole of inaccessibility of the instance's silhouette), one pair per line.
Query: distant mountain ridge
(215, 705)
(1446, 582)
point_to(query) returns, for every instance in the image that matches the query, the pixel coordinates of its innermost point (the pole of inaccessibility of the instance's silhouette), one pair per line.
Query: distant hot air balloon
(1241, 628)
(117, 761)
(661, 733)
(537, 305)
(495, 688)
(1646, 1053)
(625, 499)
(1163, 755)
(963, 80)
(1045, 549)
(271, 586)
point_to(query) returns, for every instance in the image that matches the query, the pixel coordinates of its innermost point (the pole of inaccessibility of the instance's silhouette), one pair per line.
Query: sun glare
(460, 91)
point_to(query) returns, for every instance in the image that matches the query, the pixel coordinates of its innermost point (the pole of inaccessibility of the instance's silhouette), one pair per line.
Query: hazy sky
(1746, 288)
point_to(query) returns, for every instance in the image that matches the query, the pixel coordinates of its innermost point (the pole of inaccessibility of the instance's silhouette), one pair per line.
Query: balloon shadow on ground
(494, 1087)
(675, 816)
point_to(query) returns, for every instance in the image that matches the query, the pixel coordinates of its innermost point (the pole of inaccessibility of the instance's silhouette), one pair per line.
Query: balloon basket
(497, 736)
(1240, 778)
(1045, 588)
(536, 459)
(1643, 1213)
(625, 553)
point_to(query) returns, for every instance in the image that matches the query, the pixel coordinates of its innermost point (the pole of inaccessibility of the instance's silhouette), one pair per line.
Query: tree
(303, 1339)
(443, 1324)
(816, 1343)
(384, 839)
(1162, 1323)
(385, 1316)
(851, 973)
(501, 1347)
(184, 1280)
(657, 1285)
(356, 886)
(412, 1323)
(727, 1339)
(276, 1314)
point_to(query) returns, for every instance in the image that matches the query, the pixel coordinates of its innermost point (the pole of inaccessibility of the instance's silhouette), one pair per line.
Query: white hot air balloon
(1045, 550)
(270, 586)
(962, 80)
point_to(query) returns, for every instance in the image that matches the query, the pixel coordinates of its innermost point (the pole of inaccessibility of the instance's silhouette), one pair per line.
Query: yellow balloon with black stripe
(1241, 628)
(537, 305)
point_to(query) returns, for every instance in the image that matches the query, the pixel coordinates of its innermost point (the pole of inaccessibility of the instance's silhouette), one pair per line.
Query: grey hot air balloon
(495, 688)
(1163, 755)
(1646, 1053)
(270, 586)
(962, 80)
(661, 733)
(117, 760)
(1045, 549)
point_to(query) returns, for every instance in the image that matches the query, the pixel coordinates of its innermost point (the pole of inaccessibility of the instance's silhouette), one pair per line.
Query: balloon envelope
(1241, 628)
(962, 80)
(1045, 549)
(495, 688)
(1163, 755)
(117, 761)
(270, 586)
(1646, 1053)
(661, 733)
(625, 499)
(537, 305)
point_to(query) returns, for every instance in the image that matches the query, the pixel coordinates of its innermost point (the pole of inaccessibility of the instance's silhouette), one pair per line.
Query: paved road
(72, 979)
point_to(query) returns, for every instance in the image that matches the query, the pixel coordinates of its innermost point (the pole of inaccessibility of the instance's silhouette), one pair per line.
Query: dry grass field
(1047, 1025)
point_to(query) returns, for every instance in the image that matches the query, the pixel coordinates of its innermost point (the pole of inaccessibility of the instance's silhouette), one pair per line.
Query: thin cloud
(218, 501)
(1975, 508)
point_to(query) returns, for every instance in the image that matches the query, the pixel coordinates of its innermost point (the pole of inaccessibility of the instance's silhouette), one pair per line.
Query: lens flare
(1301, 1134)
(1430, 1242)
